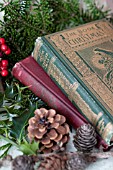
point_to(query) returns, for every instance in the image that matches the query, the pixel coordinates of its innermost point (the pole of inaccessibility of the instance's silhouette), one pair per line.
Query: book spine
(73, 89)
(27, 77)
(38, 88)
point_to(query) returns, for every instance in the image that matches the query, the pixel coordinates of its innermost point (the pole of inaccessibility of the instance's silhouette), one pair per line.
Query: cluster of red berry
(4, 49)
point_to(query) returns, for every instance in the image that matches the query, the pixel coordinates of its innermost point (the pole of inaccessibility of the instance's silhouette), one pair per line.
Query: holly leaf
(5, 148)
(20, 122)
(9, 92)
(29, 148)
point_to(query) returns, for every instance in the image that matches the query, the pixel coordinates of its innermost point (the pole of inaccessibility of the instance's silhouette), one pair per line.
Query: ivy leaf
(20, 122)
(29, 148)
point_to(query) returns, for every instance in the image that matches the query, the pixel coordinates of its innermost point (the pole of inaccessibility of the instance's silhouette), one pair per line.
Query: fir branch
(32, 6)
(25, 21)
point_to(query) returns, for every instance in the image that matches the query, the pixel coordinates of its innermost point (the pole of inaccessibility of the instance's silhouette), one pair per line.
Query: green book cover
(80, 61)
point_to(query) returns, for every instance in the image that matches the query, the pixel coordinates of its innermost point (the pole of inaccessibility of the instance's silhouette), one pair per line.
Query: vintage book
(29, 72)
(80, 61)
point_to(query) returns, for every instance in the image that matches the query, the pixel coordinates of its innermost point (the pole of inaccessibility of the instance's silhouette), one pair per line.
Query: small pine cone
(79, 161)
(53, 162)
(50, 129)
(85, 138)
(23, 162)
(76, 162)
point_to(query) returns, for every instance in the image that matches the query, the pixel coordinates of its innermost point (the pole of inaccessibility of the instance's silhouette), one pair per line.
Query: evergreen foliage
(16, 108)
(25, 20)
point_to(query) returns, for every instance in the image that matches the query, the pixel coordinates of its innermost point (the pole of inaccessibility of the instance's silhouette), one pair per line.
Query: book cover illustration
(86, 54)
(91, 57)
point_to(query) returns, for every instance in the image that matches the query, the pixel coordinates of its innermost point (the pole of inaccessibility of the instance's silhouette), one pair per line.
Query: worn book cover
(29, 73)
(80, 62)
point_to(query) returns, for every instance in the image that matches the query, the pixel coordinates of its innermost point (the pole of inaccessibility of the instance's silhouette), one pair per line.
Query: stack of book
(72, 71)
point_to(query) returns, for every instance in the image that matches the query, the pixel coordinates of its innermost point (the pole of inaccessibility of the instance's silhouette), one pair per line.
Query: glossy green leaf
(9, 92)
(29, 148)
(20, 122)
(4, 146)
(19, 97)
(6, 149)
(9, 109)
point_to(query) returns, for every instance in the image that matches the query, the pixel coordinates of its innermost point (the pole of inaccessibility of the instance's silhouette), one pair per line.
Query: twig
(101, 155)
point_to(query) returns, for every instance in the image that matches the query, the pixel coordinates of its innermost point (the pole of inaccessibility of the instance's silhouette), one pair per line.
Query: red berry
(1, 54)
(4, 63)
(4, 47)
(3, 68)
(4, 73)
(8, 51)
(2, 41)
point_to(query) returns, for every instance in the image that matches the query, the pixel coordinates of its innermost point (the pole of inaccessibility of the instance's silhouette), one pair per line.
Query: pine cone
(76, 162)
(53, 162)
(23, 162)
(66, 161)
(50, 129)
(85, 138)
